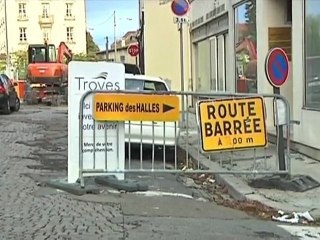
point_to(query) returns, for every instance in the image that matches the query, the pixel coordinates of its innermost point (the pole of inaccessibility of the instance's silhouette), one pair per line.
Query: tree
(92, 49)
(251, 19)
(20, 61)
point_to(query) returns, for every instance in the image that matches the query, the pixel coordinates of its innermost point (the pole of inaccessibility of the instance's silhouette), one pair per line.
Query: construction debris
(300, 217)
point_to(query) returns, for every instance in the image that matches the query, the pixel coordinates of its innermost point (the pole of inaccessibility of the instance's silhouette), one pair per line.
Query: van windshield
(144, 85)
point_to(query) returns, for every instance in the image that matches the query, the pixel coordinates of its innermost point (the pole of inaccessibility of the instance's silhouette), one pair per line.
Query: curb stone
(237, 188)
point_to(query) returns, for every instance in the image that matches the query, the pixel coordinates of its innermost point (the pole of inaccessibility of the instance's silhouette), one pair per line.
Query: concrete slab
(73, 188)
(125, 185)
(238, 185)
(176, 207)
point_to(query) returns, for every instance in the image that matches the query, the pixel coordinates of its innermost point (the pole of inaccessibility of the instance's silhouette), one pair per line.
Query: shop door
(217, 63)
(213, 64)
(203, 65)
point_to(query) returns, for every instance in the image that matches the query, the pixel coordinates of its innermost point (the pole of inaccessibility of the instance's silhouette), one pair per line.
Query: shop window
(217, 63)
(245, 47)
(289, 11)
(221, 61)
(312, 54)
(203, 66)
(213, 64)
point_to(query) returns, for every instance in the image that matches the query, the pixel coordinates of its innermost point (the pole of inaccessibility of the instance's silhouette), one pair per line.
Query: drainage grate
(298, 183)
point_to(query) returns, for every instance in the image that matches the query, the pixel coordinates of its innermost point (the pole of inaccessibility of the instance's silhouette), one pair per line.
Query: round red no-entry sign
(133, 50)
(277, 67)
(180, 7)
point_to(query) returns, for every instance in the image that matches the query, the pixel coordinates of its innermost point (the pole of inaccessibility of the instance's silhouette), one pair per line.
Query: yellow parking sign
(229, 124)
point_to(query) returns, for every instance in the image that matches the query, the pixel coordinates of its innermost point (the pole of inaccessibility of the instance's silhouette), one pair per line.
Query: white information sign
(183, 20)
(83, 77)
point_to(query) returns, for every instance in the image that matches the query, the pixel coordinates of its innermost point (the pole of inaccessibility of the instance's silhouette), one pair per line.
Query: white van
(160, 133)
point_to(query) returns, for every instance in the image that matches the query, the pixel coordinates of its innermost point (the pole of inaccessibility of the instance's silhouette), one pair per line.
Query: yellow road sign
(135, 107)
(229, 124)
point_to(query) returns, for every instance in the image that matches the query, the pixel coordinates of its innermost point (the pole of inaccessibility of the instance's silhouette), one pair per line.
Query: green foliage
(84, 57)
(20, 58)
(92, 49)
(20, 61)
(3, 66)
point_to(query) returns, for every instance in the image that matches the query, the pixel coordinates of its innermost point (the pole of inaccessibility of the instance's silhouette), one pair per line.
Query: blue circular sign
(277, 67)
(180, 7)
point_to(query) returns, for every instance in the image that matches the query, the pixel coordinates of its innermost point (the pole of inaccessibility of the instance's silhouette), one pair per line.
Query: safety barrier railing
(224, 128)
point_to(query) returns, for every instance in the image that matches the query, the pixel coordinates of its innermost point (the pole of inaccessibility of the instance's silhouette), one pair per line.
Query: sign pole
(107, 48)
(180, 8)
(280, 140)
(277, 72)
(180, 25)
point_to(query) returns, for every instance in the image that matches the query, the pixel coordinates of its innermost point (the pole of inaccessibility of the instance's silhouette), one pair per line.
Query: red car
(9, 100)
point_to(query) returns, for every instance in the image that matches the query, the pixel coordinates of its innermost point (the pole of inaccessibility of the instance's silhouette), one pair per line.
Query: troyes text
(86, 85)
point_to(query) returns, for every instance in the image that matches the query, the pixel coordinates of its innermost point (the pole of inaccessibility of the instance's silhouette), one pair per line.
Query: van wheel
(7, 109)
(17, 105)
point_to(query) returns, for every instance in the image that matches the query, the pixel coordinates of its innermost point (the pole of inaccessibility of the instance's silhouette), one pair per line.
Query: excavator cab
(42, 53)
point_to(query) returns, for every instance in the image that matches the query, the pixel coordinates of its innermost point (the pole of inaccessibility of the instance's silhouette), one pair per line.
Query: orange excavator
(47, 71)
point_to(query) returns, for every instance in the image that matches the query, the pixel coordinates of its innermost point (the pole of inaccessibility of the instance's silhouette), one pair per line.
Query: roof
(145, 77)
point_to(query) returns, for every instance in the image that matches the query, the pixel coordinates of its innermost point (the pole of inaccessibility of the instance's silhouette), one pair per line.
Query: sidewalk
(238, 185)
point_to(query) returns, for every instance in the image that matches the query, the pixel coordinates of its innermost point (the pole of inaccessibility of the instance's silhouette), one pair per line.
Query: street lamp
(7, 41)
(114, 36)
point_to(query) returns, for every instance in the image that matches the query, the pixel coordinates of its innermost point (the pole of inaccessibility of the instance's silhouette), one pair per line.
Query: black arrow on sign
(166, 108)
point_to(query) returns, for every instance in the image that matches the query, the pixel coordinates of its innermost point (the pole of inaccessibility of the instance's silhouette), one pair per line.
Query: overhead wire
(104, 22)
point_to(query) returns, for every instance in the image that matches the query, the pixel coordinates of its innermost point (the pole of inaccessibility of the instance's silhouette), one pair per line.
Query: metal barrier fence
(178, 146)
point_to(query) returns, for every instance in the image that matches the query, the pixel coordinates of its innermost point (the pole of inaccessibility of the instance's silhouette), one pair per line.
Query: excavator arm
(64, 52)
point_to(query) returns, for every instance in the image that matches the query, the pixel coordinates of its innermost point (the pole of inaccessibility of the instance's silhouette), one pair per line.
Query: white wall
(58, 31)
(200, 8)
(162, 45)
(309, 131)
(270, 13)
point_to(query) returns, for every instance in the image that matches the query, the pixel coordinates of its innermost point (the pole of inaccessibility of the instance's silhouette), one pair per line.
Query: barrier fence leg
(81, 181)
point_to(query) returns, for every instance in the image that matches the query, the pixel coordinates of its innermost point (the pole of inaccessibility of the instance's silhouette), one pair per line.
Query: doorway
(218, 62)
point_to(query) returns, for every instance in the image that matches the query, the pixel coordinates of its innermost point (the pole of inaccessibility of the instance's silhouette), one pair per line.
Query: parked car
(9, 100)
(171, 133)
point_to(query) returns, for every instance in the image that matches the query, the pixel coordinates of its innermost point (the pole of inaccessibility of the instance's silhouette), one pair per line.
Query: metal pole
(107, 48)
(180, 24)
(280, 139)
(7, 41)
(114, 33)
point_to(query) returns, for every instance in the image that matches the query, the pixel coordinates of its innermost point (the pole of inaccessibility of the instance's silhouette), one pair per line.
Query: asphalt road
(34, 149)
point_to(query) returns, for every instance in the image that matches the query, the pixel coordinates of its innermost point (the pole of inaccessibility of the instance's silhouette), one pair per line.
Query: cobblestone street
(32, 150)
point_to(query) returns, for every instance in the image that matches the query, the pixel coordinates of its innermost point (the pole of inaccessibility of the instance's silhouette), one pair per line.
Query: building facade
(160, 43)
(121, 54)
(35, 21)
(231, 40)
